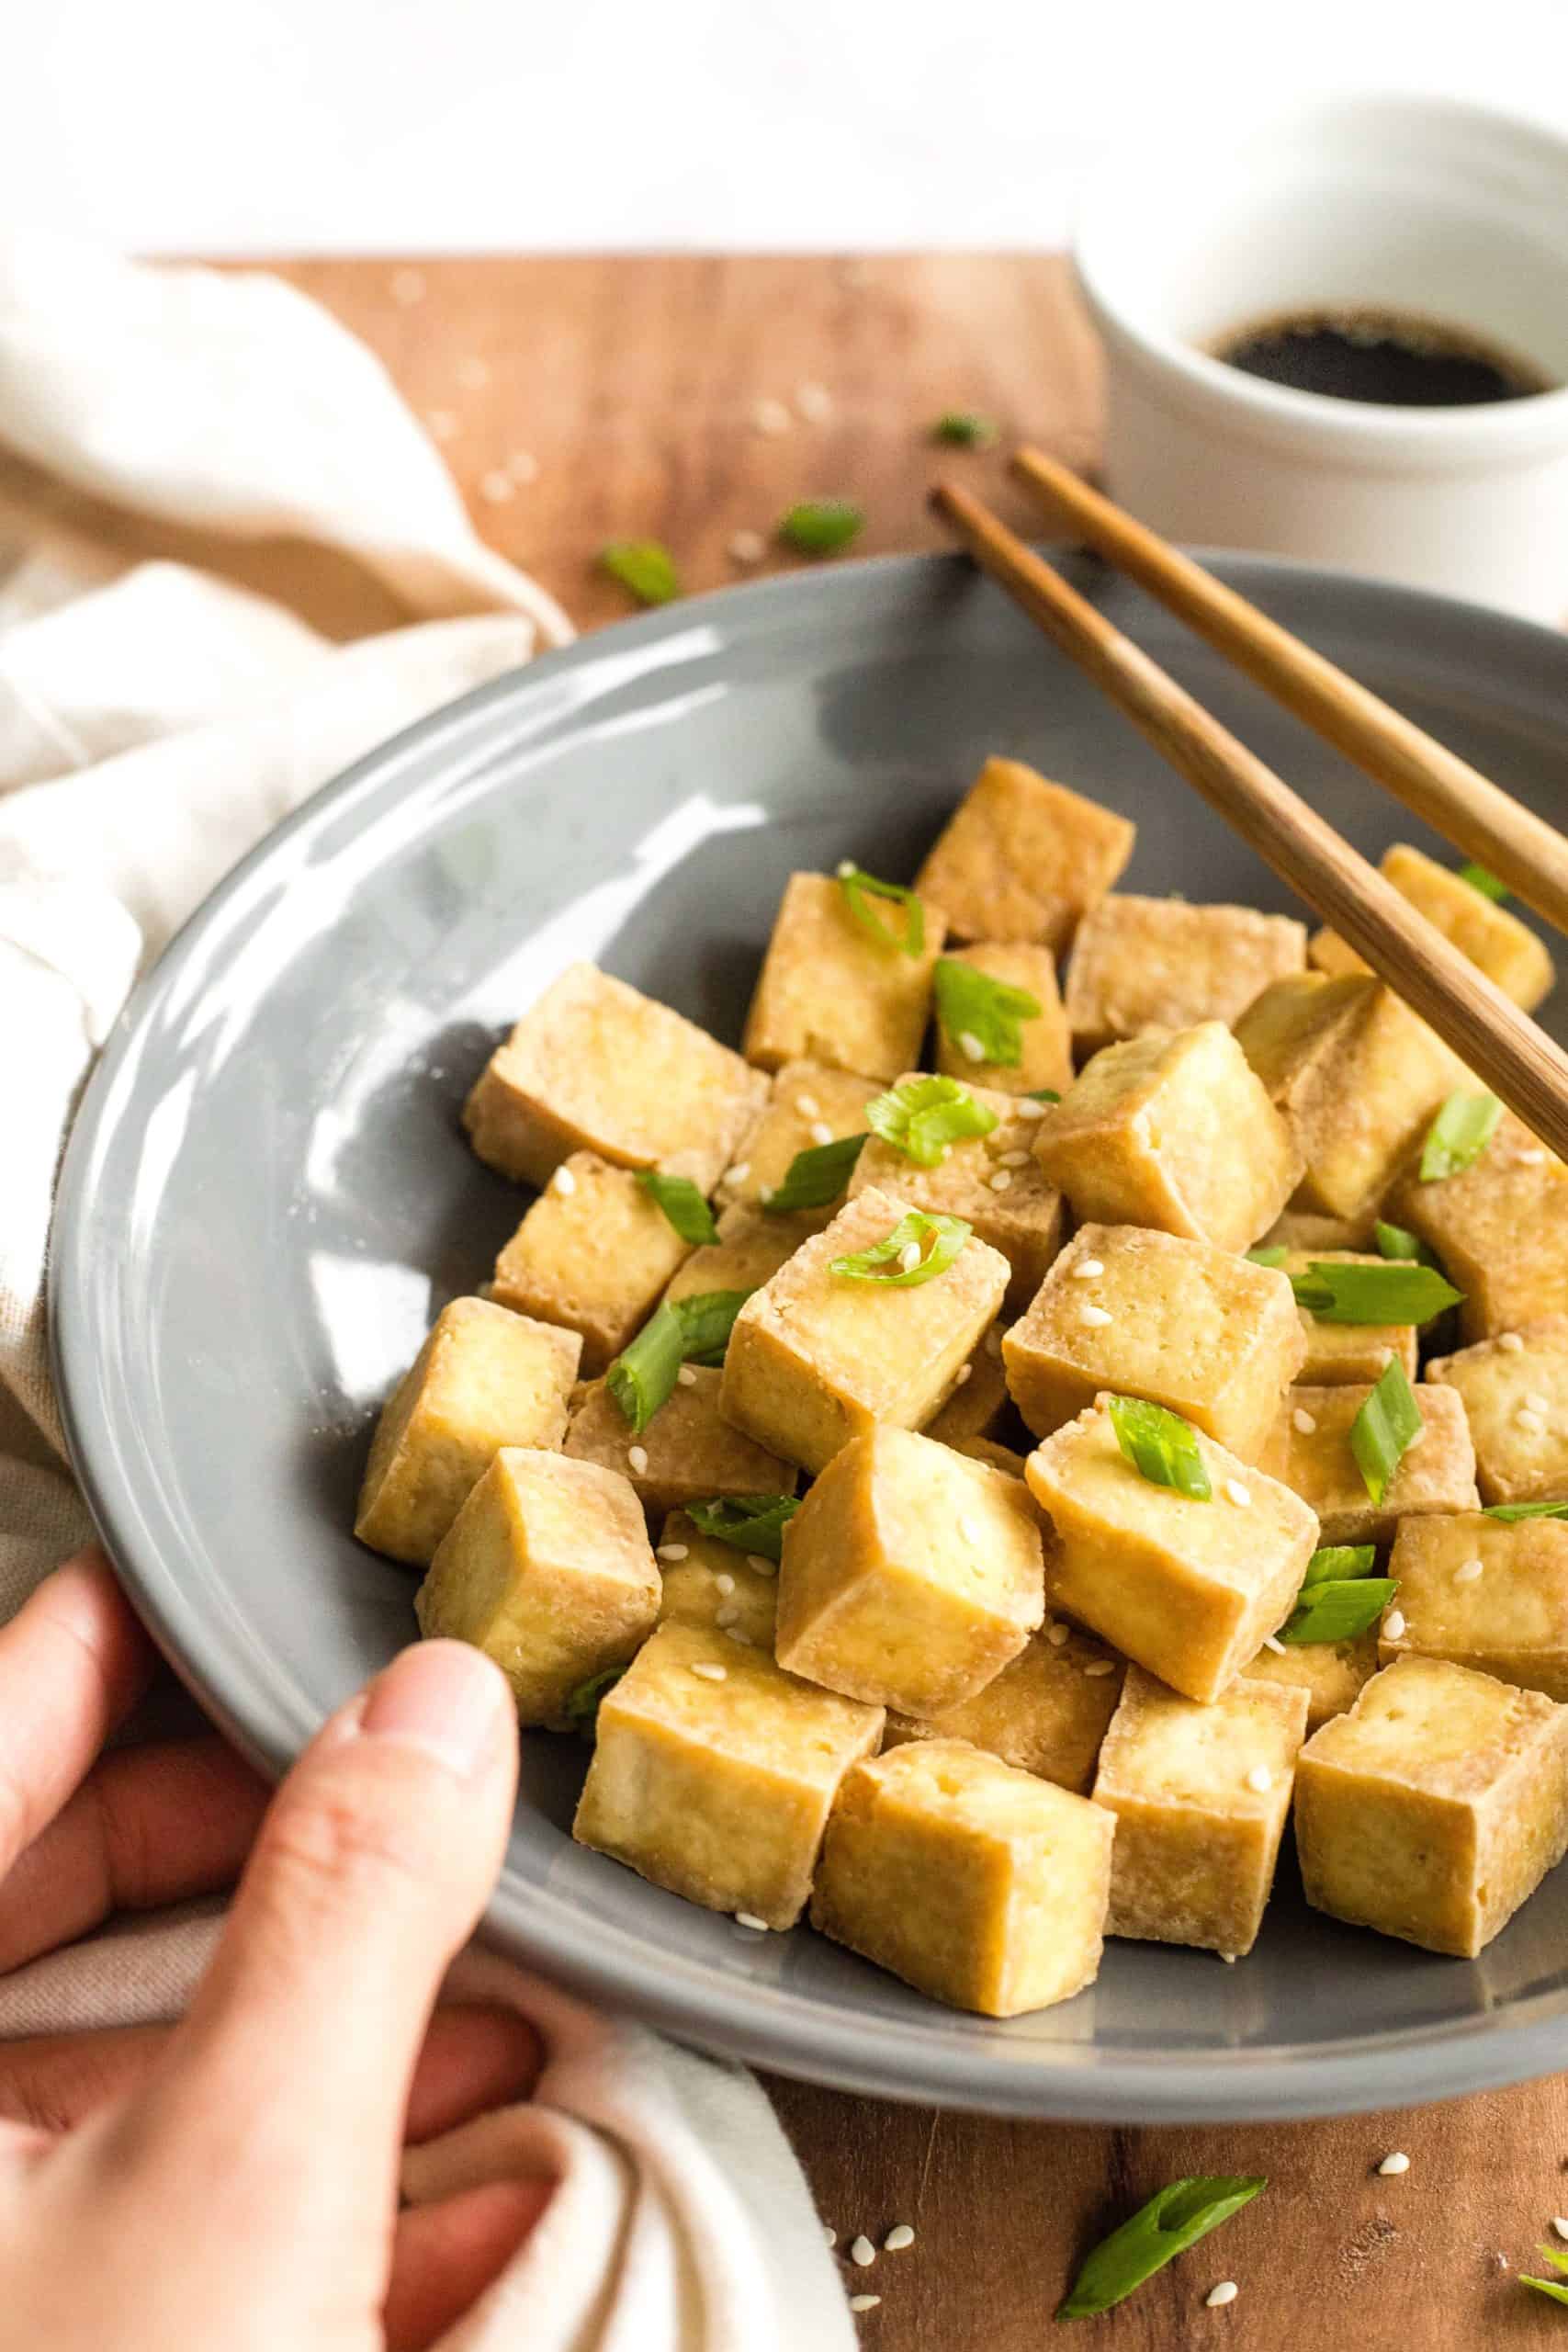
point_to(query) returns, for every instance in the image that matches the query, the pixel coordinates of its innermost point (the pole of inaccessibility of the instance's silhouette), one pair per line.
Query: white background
(442, 125)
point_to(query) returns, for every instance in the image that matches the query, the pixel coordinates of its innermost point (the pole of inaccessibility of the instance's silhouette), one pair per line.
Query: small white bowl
(1410, 204)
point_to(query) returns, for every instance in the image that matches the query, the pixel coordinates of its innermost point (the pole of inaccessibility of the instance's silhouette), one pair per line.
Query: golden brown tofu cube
(1161, 964)
(1187, 1589)
(1309, 1450)
(1200, 1795)
(992, 1181)
(911, 1574)
(1145, 1314)
(688, 1453)
(808, 1105)
(1045, 1055)
(1309, 1230)
(546, 1569)
(1483, 1593)
(484, 1378)
(983, 1886)
(817, 1358)
(1505, 949)
(1331, 1673)
(1045, 1713)
(1500, 1227)
(1435, 1807)
(592, 1253)
(1173, 1132)
(749, 1251)
(596, 1066)
(1358, 1077)
(1020, 858)
(714, 1771)
(979, 1401)
(1514, 1391)
(828, 992)
(985, 1449)
(1353, 1351)
(710, 1583)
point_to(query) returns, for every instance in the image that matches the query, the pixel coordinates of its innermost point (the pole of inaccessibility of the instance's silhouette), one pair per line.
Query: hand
(233, 2181)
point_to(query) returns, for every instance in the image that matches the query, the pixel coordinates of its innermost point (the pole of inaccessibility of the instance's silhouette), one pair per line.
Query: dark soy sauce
(1396, 358)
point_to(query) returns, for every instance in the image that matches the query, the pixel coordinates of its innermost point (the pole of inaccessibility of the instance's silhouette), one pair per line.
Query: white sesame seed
(1238, 1494)
(564, 1181)
(845, 866)
(969, 1045)
(443, 424)
(761, 1562)
(1531, 1159)
(1529, 1421)
(1260, 1780)
(1468, 1574)
(808, 1106)
(770, 417)
(864, 2302)
(965, 1372)
(820, 1132)
(406, 288)
(1303, 1420)
(727, 1616)
(1400, 2162)
(1537, 1402)
(747, 1919)
(897, 2238)
(523, 467)
(1002, 1181)
(1087, 1269)
(746, 546)
(1058, 1635)
(1225, 2293)
(909, 1257)
(1393, 1625)
(1511, 1342)
(674, 1551)
(708, 1671)
(497, 487)
(832, 2236)
(733, 1634)
(814, 402)
(1272, 1642)
(1096, 1317)
(1099, 1666)
(993, 1342)
(1026, 1109)
(862, 2252)
(1229, 1957)
(738, 1173)
(1014, 1159)
(686, 1376)
(1560, 2225)
(724, 1583)
(637, 1456)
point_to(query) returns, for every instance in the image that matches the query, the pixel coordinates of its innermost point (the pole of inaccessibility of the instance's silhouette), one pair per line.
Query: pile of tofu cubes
(994, 1693)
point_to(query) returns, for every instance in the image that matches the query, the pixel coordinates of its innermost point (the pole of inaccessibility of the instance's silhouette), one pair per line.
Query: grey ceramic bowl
(267, 1195)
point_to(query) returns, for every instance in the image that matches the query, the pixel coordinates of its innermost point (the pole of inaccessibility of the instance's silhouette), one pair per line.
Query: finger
(473, 2060)
(148, 1826)
(72, 1662)
(444, 2256)
(52, 2082)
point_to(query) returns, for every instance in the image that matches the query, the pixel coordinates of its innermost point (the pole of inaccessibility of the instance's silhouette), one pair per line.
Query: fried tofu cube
(808, 1105)
(1500, 1227)
(1045, 1057)
(714, 1771)
(710, 1583)
(1199, 1794)
(1483, 1593)
(1021, 858)
(1174, 1132)
(1347, 1352)
(1045, 1713)
(911, 1575)
(992, 1181)
(1514, 1391)
(983, 1886)
(1331, 1673)
(985, 1449)
(1310, 1229)
(829, 992)
(749, 1250)
(688, 1453)
(817, 1358)
(596, 1066)
(1435, 1807)
(1309, 1450)
(592, 1253)
(1188, 1589)
(1143, 964)
(979, 1401)
(1145, 1314)
(484, 1378)
(546, 1569)
(1505, 949)
(1358, 1077)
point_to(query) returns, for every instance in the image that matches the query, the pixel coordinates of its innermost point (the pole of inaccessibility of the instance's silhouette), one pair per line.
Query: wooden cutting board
(584, 400)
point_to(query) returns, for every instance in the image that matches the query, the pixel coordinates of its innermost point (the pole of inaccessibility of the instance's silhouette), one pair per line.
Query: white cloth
(156, 718)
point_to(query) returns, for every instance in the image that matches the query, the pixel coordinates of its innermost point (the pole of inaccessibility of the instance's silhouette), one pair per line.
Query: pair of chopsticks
(1489, 1031)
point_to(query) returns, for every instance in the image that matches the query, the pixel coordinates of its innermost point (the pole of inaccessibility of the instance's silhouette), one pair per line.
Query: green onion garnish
(1382, 1430)
(1175, 2218)
(821, 525)
(1559, 2262)
(1510, 1512)
(1459, 1135)
(1043, 1094)
(1398, 1241)
(685, 1330)
(1337, 1563)
(984, 1017)
(1161, 1446)
(1339, 1596)
(919, 1249)
(682, 1204)
(1387, 1293)
(966, 428)
(1275, 1256)
(1482, 878)
(860, 888)
(707, 1319)
(922, 1116)
(750, 1522)
(644, 566)
(815, 1178)
(582, 1706)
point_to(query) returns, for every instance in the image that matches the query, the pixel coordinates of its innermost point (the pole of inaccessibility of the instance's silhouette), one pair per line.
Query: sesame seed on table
(623, 398)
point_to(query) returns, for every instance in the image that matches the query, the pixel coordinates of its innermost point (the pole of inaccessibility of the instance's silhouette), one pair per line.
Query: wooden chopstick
(1454, 799)
(1501, 1044)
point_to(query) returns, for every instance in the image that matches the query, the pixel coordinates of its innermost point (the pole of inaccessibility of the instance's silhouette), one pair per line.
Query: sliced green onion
(1175, 2218)
(1043, 1094)
(821, 525)
(750, 1522)
(966, 428)
(1387, 1293)
(1276, 1256)
(977, 1011)
(1336, 1563)
(1559, 2262)
(644, 566)
(860, 888)
(582, 1706)
(1482, 878)
(1398, 1241)
(681, 1202)
(937, 1239)
(1161, 1446)
(1338, 1609)
(1511, 1512)
(696, 1329)
(1382, 1430)
(816, 1178)
(707, 1319)
(923, 1116)
(1459, 1135)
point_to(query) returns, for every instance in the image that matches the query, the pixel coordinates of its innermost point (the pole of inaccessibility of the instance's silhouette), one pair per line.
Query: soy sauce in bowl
(1398, 359)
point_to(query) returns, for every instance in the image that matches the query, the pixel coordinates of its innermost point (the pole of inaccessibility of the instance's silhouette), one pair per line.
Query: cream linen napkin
(155, 717)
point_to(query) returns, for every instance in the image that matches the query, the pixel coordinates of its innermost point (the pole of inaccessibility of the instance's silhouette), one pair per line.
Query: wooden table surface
(634, 386)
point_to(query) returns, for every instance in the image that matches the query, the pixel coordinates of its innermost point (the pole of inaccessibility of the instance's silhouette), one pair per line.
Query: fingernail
(443, 1697)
